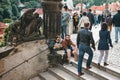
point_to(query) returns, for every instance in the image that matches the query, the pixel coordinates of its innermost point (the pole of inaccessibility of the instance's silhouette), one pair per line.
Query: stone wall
(28, 59)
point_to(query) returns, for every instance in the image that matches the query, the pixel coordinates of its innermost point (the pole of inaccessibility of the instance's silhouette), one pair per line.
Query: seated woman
(70, 48)
(55, 44)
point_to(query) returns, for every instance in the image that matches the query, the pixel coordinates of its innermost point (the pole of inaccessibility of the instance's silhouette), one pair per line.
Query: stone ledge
(30, 67)
(5, 52)
(1, 66)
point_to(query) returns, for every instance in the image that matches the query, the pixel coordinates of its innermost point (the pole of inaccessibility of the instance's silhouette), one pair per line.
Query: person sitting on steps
(55, 44)
(70, 48)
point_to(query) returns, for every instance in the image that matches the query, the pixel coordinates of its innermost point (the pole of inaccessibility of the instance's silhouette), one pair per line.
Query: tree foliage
(9, 8)
(7, 14)
(15, 10)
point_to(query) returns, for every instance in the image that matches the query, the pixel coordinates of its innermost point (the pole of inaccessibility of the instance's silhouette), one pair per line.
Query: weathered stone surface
(52, 18)
(1, 66)
(5, 51)
(25, 61)
(27, 28)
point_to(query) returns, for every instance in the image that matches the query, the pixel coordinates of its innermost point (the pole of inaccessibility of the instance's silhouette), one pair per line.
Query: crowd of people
(85, 41)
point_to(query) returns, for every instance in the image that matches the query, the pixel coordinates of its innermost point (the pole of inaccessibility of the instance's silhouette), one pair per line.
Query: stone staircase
(69, 72)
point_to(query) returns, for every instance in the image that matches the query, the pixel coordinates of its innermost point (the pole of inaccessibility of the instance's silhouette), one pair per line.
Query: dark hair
(86, 24)
(90, 10)
(84, 13)
(119, 11)
(67, 35)
(104, 26)
(65, 7)
(58, 36)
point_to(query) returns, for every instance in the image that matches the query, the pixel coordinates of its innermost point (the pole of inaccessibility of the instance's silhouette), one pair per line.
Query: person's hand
(94, 48)
(111, 46)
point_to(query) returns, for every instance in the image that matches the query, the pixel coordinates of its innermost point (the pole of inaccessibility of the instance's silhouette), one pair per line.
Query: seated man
(69, 48)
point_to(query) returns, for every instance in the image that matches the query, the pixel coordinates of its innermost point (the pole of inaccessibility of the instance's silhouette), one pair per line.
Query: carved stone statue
(26, 28)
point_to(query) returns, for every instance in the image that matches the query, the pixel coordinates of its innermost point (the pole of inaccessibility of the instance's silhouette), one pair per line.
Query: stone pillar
(52, 18)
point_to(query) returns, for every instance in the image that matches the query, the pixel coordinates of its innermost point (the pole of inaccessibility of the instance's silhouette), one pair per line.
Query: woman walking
(104, 42)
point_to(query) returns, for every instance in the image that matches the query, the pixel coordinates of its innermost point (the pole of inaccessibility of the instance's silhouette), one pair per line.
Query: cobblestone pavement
(114, 53)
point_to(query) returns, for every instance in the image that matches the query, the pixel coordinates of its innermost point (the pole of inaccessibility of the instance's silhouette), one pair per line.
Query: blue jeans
(117, 30)
(82, 50)
(64, 31)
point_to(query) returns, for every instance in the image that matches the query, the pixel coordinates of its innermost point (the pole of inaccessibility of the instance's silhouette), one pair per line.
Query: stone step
(96, 72)
(35, 78)
(73, 71)
(61, 74)
(109, 69)
(47, 76)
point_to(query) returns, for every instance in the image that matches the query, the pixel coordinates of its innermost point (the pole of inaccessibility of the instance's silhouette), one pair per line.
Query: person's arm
(63, 44)
(109, 39)
(80, 22)
(78, 39)
(93, 18)
(71, 43)
(113, 20)
(92, 41)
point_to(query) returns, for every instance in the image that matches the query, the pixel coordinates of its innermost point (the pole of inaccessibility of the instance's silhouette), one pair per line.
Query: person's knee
(68, 50)
(90, 53)
(81, 54)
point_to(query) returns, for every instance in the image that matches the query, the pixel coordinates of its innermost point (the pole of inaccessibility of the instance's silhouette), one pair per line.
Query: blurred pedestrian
(96, 19)
(116, 23)
(91, 18)
(75, 21)
(109, 22)
(65, 21)
(100, 18)
(103, 17)
(82, 21)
